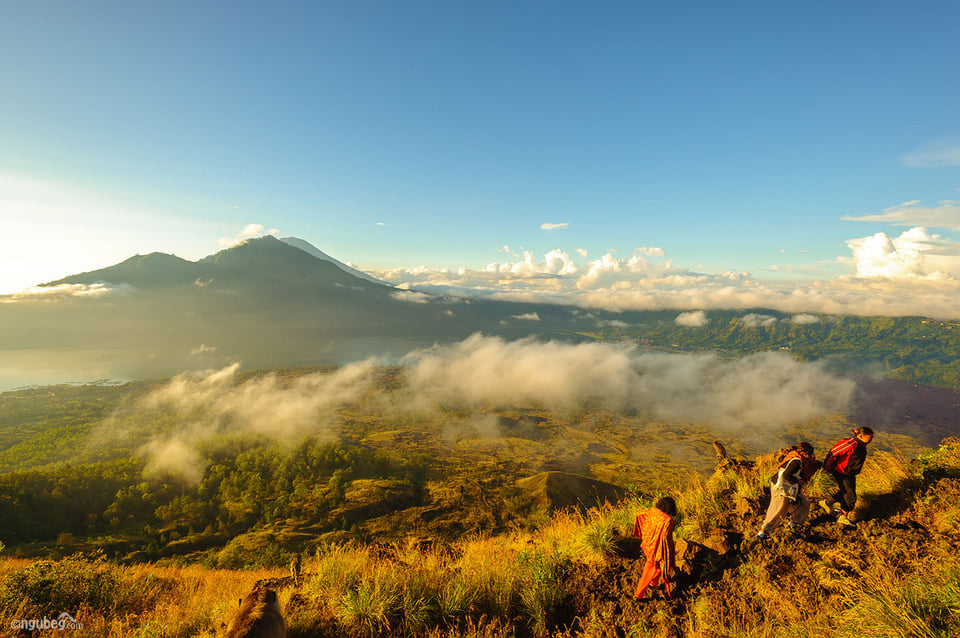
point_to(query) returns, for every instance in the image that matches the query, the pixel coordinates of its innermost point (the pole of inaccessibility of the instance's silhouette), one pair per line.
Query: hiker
(654, 527)
(786, 490)
(844, 461)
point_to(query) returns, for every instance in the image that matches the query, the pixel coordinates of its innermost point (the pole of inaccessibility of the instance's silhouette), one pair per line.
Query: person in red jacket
(654, 527)
(844, 461)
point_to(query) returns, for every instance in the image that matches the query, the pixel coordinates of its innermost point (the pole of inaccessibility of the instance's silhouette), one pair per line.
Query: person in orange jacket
(654, 528)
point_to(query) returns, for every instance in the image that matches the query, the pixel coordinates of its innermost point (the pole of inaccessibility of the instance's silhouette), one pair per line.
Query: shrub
(373, 607)
(541, 588)
(51, 587)
(922, 605)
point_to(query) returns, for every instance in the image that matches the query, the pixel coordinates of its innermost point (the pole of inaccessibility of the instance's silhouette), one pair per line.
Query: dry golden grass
(194, 601)
(484, 586)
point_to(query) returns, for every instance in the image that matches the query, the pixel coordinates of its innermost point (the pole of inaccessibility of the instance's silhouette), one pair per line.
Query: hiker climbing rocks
(786, 490)
(654, 527)
(844, 461)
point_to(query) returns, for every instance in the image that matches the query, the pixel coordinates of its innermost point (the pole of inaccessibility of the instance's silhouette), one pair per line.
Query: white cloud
(944, 215)
(173, 458)
(99, 289)
(202, 349)
(754, 320)
(250, 231)
(549, 226)
(613, 323)
(650, 251)
(695, 319)
(767, 390)
(582, 252)
(555, 262)
(935, 155)
(266, 405)
(608, 270)
(915, 254)
(805, 319)
(529, 316)
(640, 283)
(412, 296)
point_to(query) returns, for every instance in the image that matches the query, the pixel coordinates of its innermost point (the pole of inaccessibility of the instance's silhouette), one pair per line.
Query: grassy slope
(896, 575)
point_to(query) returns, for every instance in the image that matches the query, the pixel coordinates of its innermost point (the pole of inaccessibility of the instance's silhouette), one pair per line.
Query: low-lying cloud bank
(101, 289)
(765, 391)
(916, 273)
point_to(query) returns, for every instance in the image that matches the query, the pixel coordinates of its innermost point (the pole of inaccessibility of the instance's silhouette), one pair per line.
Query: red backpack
(839, 455)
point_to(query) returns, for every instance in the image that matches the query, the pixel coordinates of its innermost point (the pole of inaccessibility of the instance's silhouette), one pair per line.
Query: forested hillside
(914, 349)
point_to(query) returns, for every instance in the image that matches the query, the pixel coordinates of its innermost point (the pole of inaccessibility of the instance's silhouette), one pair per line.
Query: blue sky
(715, 137)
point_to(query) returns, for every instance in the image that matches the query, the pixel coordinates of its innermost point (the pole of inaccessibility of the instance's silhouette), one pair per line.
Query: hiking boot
(827, 507)
(762, 536)
(845, 521)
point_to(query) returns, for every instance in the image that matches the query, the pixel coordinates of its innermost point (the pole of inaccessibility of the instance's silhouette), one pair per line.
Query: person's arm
(638, 525)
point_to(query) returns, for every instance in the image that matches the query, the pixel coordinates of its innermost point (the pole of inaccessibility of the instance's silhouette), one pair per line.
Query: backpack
(839, 455)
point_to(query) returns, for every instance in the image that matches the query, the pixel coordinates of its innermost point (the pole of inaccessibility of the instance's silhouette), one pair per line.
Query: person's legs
(800, 511)
(848, 490)
(838, 495)
(650, 576)
(849, 502)
(778, 503)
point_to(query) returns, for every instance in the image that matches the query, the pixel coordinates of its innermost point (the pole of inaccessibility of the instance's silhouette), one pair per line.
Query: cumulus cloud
(695, 319)
(609, 271)
(915, 254)
(804, 319)
(250, 231)
(549, 226)
(529, 316)
(754, 320)
(945, 214)
(637, 283)
(915, 273)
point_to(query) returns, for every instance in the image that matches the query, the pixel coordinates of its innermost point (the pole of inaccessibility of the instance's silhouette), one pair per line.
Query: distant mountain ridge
(293, 262)
(264, 303)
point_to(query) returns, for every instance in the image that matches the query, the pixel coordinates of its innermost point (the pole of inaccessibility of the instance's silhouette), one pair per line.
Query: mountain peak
(312, 250)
